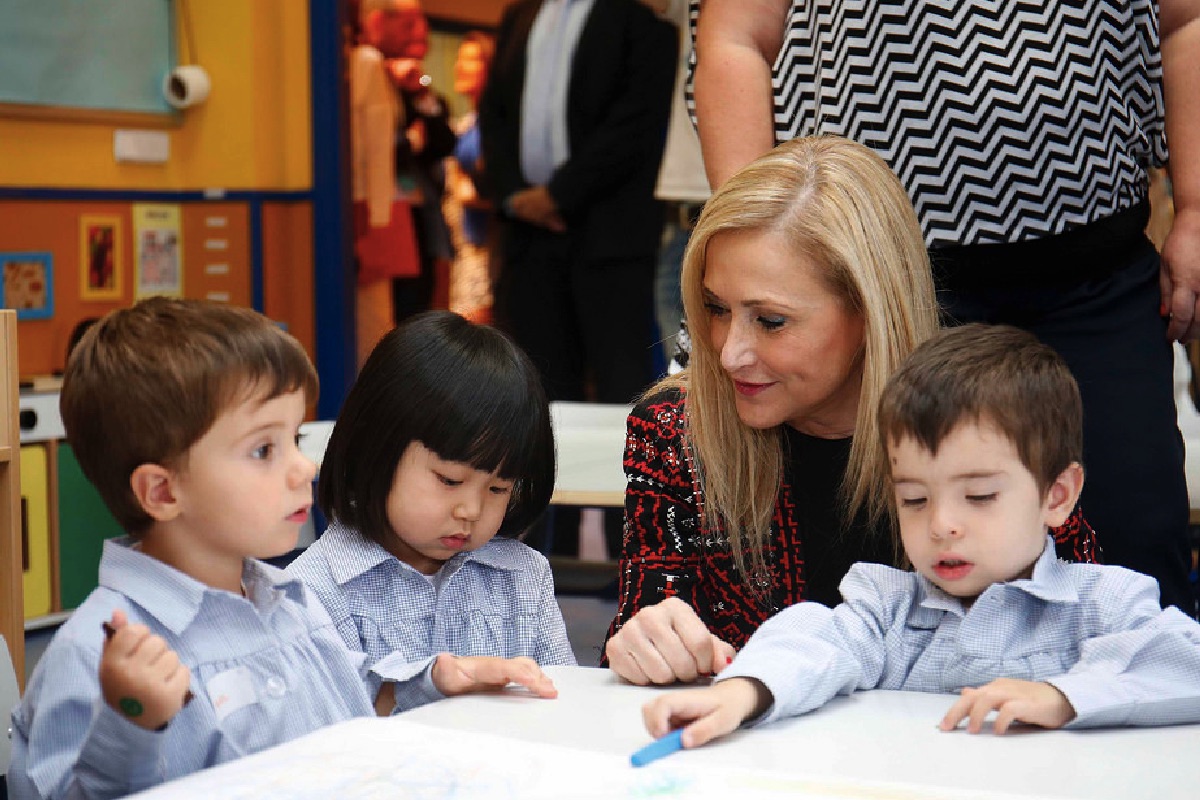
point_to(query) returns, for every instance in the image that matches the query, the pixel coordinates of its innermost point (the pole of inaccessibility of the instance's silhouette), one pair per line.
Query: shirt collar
(174, 598)
(503, 554)
(355, 554)
(1050, 582)
(358, 554)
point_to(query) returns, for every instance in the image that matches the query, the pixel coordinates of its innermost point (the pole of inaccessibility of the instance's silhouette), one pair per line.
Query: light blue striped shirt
(1095, 632)
(494, 601)
(549, 53)
(273, 664)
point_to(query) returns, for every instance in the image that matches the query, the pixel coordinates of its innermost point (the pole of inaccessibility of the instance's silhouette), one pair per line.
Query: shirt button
(276, 686)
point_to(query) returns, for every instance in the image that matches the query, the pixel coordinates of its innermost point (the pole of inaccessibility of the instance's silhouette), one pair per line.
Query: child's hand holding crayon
(141, 678)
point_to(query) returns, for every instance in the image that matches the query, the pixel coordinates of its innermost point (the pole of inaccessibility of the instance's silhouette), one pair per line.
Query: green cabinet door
(84, 522)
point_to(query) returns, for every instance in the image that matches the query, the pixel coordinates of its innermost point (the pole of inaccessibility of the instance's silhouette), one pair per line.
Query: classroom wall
(251, 138)
(253, 132)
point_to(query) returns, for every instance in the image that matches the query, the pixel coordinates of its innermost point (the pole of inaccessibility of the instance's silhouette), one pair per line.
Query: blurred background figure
(682, 184)
(384, 240)
(426, 140)
(573, 120)
(467, 211)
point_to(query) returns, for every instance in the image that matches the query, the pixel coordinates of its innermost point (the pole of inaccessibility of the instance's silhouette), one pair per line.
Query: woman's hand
(665, 643)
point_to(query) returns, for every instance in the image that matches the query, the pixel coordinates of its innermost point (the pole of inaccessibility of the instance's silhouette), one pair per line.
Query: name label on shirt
(231, 690)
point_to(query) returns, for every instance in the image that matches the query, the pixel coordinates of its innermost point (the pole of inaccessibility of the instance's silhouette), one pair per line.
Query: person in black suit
(573, 122)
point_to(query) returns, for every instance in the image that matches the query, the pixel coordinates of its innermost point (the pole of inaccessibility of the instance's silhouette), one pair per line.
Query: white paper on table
(371, 758)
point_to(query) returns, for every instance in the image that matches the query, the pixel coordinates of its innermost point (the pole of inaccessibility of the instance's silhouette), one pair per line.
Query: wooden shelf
(12, 599)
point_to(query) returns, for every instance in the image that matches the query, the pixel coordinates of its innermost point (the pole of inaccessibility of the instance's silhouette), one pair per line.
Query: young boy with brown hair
(983, 432)
(185, 415)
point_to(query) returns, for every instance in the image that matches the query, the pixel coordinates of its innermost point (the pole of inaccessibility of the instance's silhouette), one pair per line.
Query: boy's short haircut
(993, 374)
(145, 383)
(467, 392)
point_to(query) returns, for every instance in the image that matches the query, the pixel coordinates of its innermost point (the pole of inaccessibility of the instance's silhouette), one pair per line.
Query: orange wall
(54, 227)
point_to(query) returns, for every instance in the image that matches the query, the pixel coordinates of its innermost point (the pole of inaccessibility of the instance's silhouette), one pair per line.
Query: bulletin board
(99, 258)
(108, 56)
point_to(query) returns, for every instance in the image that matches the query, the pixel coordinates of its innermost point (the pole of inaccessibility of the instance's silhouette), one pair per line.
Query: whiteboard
(104, 55)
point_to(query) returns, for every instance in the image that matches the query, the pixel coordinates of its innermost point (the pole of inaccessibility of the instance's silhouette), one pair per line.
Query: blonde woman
(756, 476)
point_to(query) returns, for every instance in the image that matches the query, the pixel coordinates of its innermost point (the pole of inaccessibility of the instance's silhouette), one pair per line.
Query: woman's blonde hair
(841, 208)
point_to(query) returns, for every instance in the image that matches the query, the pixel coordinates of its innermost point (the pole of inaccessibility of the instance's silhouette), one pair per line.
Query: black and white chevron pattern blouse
(1006, 120)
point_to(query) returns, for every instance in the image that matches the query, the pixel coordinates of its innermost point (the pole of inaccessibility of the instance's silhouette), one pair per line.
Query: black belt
(1090, 251)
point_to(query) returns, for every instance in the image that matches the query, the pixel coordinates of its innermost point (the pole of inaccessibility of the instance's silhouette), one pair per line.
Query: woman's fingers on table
(723, 653)
(662, 644)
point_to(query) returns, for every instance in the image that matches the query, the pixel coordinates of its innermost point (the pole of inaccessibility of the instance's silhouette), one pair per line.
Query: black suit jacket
(618, 104)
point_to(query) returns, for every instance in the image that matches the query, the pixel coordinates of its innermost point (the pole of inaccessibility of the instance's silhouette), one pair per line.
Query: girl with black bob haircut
(442, 454)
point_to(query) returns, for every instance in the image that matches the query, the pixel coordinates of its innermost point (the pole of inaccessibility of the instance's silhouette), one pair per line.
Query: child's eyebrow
(959, 476)
(973, 474)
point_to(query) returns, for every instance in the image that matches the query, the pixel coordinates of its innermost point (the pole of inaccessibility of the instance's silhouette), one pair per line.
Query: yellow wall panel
(35, 531)
(253, 132)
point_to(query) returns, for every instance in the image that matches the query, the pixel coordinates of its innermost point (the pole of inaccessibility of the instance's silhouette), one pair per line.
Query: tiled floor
(587, 619)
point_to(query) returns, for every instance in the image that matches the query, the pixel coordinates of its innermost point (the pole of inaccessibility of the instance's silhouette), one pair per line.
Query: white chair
(10, 695)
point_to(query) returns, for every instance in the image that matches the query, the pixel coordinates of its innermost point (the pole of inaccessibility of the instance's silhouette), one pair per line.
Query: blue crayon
(657, 749)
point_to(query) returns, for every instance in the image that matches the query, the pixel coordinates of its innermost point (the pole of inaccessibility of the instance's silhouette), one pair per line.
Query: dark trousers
(1109, 332)
(588, 326)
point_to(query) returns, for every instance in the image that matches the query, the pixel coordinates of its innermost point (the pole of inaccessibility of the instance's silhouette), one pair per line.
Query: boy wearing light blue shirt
(983, 430)
(190, 653)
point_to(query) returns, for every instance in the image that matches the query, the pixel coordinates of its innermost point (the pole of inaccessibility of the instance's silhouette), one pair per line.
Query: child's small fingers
(955, 715)
(980, 708)
(1005, 717)
(716, 723)
(127, 639)
(150, 649)
(530, 676)
(655, 715)
(179, 680)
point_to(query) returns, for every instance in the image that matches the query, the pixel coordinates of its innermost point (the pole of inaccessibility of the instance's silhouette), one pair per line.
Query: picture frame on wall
(157, 250)
(28, 284)
(101, 243)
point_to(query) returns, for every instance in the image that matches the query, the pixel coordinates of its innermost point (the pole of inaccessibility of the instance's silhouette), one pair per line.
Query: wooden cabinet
(12, 601)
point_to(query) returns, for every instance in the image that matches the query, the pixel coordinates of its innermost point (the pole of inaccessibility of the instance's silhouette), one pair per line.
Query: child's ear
(151, 484)
(1062, 495)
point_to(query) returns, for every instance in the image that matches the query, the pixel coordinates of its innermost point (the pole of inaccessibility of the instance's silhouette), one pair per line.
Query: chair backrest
(10, 695)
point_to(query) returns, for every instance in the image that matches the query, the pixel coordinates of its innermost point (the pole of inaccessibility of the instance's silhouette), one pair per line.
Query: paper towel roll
(186, 85)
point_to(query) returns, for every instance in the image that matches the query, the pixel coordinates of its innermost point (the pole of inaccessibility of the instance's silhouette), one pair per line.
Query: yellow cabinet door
(35, 531)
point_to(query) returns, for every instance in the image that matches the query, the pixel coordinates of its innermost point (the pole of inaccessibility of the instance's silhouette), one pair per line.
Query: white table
(878, 745)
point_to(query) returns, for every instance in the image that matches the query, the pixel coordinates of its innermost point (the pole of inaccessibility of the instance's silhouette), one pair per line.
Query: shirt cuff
(413, 680)
(119, 757)
(1096, 703)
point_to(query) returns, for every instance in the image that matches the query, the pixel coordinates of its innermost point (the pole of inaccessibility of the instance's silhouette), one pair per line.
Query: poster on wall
(100, 243)
(158, 250)
(28, 284)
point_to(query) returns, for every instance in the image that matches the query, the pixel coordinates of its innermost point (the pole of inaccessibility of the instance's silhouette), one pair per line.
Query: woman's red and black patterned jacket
(666, 554)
